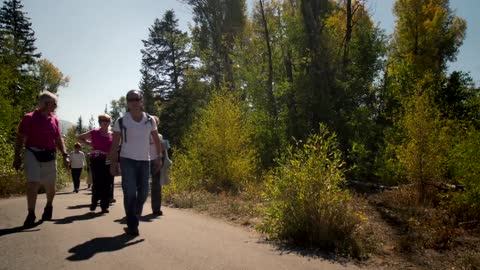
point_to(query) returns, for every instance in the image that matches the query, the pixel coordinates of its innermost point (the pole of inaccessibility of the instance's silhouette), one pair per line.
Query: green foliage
(305, 201)
(218, 153)
(49, 77)
(11, 181)
(17, 28)
(465, 158)
(177, 114)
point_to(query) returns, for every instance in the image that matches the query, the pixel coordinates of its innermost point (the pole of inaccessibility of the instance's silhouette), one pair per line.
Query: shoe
(112, 200)
(93, 207)
(29, 221)
(132, 232)
(47, 213)
(76, 190)
(105, 211)
(157, 213)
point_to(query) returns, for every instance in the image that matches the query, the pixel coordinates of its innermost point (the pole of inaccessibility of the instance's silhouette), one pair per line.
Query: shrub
(218, 154)
(305, 201)
(466, 171)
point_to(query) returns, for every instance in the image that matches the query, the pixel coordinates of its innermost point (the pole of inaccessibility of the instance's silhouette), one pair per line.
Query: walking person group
(134, 149)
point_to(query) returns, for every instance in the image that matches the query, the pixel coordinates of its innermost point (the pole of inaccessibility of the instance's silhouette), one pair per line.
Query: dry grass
(394, 233)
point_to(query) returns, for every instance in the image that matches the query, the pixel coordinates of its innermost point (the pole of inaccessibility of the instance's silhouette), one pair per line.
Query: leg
(49, 179)
(105, 188)
(129, 187)
(32, 191)
(156, 191)
(76, 178)
(142, 185)
(97, 174)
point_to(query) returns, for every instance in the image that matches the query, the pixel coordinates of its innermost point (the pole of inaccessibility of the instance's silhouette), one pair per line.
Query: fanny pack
(97, 154)
(43, 155)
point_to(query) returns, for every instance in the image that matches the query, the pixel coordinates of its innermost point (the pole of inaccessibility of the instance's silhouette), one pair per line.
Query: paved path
(181, 239)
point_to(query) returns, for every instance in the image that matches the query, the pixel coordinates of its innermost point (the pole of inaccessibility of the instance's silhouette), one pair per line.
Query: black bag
(43, 155)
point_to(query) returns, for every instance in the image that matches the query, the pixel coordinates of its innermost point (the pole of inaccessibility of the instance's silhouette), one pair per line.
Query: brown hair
(104, 116)
(77, 145)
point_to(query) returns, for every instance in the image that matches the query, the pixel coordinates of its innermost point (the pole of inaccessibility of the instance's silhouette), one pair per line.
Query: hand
(66, 161)
(17, 163)
(114, 168)
(157, 164)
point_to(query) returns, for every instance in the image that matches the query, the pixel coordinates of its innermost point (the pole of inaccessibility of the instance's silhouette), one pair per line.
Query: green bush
(465, 160)
(11, 181)
(305, 201)
(218, 154)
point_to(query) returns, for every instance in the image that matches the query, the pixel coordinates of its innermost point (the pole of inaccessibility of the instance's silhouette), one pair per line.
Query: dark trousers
(76, 172)
(156, 195)
(102, 182)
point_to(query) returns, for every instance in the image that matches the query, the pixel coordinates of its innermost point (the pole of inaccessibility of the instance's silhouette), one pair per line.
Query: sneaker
(93, 207)
(157, 213)
(105, 211)
(132, 232)
(47, 213)
(112, 200)
(29, 221)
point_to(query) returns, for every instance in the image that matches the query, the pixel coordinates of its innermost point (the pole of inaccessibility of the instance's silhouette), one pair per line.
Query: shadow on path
(146, 218)
(71, 219)
(20, 229)
(88, 249)
(80, 206)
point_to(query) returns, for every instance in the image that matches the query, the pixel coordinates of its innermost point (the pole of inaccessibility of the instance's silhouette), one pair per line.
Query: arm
(159, 147)
(85, 138)
(113, 155)
(17, 162)
(61, 146)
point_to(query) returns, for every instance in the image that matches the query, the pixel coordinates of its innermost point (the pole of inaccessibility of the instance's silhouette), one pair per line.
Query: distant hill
(65, 125)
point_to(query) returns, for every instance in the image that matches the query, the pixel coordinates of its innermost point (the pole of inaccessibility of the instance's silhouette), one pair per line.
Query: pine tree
(79, 125)
(15, 28)
(165, 57)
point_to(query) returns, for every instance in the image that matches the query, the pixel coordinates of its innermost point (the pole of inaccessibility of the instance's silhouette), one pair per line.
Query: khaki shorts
(44, 172)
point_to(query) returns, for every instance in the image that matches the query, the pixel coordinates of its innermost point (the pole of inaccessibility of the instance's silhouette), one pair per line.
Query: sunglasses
(133, 99)
(104, 120)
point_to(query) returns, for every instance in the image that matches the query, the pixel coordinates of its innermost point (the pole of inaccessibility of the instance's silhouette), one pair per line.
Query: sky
(97, 44)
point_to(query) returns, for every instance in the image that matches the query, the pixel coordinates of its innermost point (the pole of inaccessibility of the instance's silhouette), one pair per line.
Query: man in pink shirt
(40, 132)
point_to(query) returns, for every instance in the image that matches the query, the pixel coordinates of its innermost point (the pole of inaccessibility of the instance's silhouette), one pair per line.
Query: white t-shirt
(153, 148)
(77, 160)
(136, 141)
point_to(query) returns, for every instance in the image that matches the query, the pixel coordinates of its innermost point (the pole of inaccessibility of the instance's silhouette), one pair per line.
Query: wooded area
(294, 99)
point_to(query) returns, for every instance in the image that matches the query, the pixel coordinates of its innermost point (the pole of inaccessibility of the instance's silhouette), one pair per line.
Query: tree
(427, 35)
(80, 125)
(15, 25)
(165, 57)
(118, 107)
(49, 77)
(91, 123)
(217, 24)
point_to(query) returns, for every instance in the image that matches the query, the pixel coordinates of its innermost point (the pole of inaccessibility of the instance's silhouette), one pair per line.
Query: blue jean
(135, 174)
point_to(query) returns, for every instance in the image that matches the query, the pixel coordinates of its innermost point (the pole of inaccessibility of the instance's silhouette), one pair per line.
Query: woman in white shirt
(77, 161)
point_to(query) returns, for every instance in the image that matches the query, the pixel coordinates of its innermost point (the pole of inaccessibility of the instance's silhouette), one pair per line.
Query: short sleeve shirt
(40, 131)
(135, 137)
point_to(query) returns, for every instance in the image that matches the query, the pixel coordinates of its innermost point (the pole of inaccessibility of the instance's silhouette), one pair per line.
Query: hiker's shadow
(71, 219)
(88, 249)
(20, 229)
(146, 218)
(80, 206)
